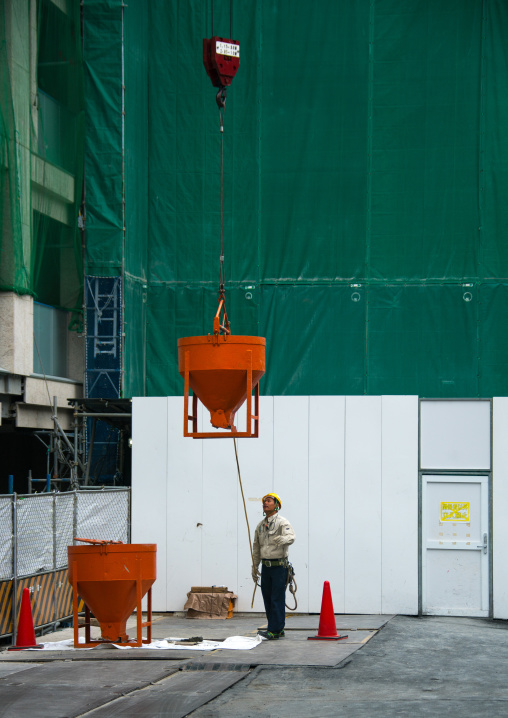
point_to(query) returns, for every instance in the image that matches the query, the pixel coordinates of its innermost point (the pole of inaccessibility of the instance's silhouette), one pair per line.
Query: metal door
(455, 545)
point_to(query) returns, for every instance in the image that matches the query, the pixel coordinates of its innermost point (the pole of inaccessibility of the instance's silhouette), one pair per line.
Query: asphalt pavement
(387, 666)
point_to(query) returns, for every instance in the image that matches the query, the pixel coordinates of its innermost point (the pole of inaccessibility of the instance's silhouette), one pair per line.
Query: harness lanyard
(291, 583)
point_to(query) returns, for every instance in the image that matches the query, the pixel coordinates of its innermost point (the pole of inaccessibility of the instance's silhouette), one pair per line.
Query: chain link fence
(6, 538)
(35, 531)
(107, 518)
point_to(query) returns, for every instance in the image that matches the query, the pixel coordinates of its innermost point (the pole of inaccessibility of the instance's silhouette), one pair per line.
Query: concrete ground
(388, 666)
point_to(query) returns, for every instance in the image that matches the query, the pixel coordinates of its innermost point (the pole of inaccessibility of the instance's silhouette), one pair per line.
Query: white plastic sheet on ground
(233, 643)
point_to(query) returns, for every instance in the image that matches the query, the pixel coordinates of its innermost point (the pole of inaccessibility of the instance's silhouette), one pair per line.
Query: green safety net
(41, 151)
(14, 264)
(102, 45)
(365, 185)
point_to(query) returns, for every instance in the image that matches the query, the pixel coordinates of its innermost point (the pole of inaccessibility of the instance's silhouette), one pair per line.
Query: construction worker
(274, 535)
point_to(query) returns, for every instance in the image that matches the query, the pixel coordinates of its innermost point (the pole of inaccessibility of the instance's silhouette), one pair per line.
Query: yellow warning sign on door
(454, 510)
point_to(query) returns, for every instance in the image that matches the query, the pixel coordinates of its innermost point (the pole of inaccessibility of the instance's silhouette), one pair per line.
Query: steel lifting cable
(224, 324)
(221, 101)
(221, 58)
(230, 17)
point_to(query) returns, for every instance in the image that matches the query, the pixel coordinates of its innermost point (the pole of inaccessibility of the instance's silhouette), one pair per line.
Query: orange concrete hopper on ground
(112, 578)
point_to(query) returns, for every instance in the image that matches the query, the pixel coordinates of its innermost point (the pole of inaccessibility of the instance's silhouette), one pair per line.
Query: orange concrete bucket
(222, 370)
(112, 579)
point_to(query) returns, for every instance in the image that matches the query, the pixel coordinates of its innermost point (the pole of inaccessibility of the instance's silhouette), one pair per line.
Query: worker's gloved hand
(279, 540)
(255, 574)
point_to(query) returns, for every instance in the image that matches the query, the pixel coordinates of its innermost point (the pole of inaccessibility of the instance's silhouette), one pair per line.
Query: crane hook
(221, 98)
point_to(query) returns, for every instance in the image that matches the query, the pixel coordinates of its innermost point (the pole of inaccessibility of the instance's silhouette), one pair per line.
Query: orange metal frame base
(140, 624)
(251, 417)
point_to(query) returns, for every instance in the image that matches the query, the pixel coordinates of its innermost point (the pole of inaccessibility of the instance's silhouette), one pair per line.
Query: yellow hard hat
(275, 496)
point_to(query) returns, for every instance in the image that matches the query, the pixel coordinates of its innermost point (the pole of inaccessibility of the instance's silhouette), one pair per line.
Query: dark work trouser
(273, 588)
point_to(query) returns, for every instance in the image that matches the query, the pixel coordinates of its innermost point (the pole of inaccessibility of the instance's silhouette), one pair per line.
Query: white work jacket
(273, 537)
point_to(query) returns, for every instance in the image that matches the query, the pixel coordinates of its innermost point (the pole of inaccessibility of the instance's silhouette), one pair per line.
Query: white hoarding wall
(499, 504)
(346, 469)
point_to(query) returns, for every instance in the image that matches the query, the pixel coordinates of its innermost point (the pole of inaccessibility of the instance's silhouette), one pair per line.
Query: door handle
(484, 544)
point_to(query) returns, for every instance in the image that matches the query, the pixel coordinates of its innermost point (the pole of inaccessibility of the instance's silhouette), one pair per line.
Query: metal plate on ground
(173, 697)
(344, 622)
(65, 690)
(98, 674)
(351, 636)
(289, 651)
(139, 654)
(51, 701)
(8, 668)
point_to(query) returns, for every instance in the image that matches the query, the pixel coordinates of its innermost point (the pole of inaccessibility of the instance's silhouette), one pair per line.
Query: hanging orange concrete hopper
(222, 370)
(112, 578)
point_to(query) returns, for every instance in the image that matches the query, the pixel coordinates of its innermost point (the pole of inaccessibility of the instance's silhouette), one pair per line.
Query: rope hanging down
(290, 581)
(246, 517)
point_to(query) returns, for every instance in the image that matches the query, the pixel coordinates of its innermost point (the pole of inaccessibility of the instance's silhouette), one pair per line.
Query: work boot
(269, 635)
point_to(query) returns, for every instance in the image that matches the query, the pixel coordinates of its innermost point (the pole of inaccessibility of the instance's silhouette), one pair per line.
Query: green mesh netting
(366, 176)
(41, 151)
(14, 268)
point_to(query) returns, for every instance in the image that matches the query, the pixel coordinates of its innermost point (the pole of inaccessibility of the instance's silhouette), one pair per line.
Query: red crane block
(221, 58)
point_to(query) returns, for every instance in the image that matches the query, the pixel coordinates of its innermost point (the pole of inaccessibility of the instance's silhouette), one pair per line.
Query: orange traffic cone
(26, 634)
(327, 630)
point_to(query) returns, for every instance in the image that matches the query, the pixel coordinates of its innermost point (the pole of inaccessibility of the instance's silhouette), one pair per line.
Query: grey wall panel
(149, 484)
(327, 415)
(399, 505)
(455, 434)
(499, 504)
(363, 504)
